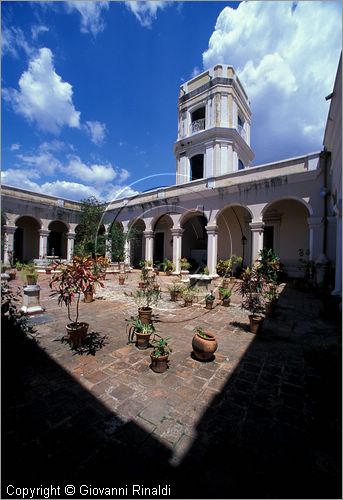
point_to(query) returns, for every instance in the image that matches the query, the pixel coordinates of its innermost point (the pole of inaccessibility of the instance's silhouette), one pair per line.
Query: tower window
(240, 165)
(197, 167)
(198, 120)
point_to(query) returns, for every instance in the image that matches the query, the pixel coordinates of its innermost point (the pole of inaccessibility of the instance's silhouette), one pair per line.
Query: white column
(8, 244)
(338, 267)
(149, 244)
(209, 160)
(212, 249)
(256, 228)
(70, 245)
(177, 247)
(127, 252)
(43, 242)
(108, 243)
(224, 111)
(316, 227)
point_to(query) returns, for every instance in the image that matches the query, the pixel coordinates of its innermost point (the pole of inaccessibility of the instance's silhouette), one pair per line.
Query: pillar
(70, 245)
(149, 244)
(257, 229)
(43, 243)
(316, 227)
(177, 247)
(338, 266)
(8, 244)
(127, 251)
(212, 249)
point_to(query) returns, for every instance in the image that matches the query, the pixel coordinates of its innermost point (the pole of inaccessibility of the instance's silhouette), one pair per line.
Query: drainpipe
(322, 261)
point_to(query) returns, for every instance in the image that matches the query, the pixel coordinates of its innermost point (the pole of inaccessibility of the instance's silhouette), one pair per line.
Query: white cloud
(286, 59)
(70, 190)
(118, 192)
(91, 15)
(97, 132)
(45, 162)
(98, 174)
(124, 175)
(146, 11)
(43, 96)
(37, 29)
(15, 147)
(13, 39)
(21, 178)
(196, 71)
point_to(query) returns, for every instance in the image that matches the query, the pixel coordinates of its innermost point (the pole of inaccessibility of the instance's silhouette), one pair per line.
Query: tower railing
(198, 125)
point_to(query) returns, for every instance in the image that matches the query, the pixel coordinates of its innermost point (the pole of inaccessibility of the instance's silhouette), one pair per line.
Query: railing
(242, 132)
(198, 125)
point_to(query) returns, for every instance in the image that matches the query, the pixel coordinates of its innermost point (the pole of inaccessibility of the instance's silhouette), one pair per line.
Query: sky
(90, 89)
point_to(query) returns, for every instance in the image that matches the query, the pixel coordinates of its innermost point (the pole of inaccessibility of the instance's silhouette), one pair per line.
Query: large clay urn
(204, 345)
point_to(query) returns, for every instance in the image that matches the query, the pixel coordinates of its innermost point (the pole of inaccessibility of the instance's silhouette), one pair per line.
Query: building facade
(220, 204)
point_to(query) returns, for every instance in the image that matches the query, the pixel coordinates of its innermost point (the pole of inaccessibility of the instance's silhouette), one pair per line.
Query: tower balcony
(197, 126)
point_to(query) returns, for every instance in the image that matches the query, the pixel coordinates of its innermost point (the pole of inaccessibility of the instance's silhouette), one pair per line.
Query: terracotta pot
(144, 314)
(232, 279)
(188, 302)
(160, 364)
(141, 285)
(12, 274)
(209, 304)
(121, 281)
(256, 323)
(142, 340)
(270, 308)
(225, 283)
(77, 334)
(47, 270)
(174, 296)
(226, 302)
(203, 349)
(88, 297)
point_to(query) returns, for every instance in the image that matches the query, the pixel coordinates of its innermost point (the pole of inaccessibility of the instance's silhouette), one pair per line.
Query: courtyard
(260, 420)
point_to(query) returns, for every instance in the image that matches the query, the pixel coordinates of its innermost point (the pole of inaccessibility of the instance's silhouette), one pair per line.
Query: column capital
(315, 221)
(9, 229)
(257, 226)
(71, 235)
(148, 233)
(44, 232)
(176, 231)
(211, 229)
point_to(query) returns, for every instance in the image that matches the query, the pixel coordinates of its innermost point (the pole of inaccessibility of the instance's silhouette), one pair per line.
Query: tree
(118, 239)
(90, 237)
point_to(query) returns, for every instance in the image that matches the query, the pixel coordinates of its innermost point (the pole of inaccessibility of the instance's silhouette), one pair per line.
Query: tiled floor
(261, 420)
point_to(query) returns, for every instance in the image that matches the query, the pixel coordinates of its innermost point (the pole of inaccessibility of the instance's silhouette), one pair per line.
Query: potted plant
(175, 289)
(168, 266)
(160, 354)
(18, 265)
(145, 299)
(121, 279)
(157, 267)
(271, 297)
(68, 285)
(251, 289)
(209, 300)
(142, 331)
(29, 274)
(12, 273)
(204, 344)
(188, 295)
(225, 296)
(185, 265)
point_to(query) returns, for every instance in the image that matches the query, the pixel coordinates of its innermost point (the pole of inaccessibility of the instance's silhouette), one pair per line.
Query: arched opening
(137, 252)
(26, 239)
(57, 239)
(163, 240)
(286, 232)
(117, 237)
(234, 233)
(194, 241)
(197, 167)
(198, 120)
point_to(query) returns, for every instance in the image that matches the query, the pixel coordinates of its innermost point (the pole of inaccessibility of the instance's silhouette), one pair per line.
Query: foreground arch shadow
(273, 430)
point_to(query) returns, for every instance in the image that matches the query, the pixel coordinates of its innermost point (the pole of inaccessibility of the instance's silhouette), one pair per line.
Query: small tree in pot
(251, 289)
(68, 285)
(145, 299)
(209, 300)
(160, 354)
(142, 331)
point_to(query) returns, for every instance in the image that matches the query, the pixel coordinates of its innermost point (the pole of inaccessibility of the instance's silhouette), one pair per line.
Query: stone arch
(137, 250)
(234, 232)
(286, 230)
(163, 239)
(285, 198)
(194, 239)
(57, 239)
(26, 238)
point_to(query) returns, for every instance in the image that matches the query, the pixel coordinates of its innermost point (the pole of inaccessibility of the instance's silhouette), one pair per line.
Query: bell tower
(214, 120)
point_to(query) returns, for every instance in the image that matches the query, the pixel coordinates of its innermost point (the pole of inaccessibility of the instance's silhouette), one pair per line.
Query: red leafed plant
(72, 280)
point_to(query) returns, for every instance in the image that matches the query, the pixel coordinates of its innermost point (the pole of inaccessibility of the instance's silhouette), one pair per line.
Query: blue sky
(90, 88)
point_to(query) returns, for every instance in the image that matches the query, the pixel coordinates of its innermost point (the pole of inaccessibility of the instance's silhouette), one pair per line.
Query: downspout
(325, 155)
